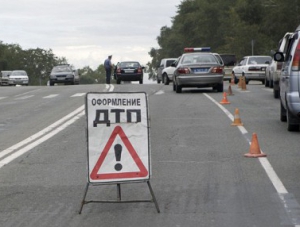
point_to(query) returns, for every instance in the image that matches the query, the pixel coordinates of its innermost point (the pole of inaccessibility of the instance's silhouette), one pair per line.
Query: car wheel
(51, 84)
(291, 127)
(276, 93)
(174, 86)
(141, 81)
(271, 84)
(166, 79)
(235, 79)
(118, 81)
(282, 113)
(266, 82)
(218, 87)
(263, 82)
(178, 89)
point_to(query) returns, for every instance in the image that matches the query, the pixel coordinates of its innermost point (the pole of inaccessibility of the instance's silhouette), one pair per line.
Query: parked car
(289, 82)
(273, 71)
(18, 77)
(198, 67)
(229, 62)
(164, 63)
(252, 67)
(4, 76)
(129, 71)
(167, 73)
(65, 74)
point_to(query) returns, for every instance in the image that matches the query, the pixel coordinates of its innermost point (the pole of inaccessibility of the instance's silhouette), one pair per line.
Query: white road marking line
(3, 97)
(50, 96)
(40, 133)
(160, 92)
(24, 97)
(23, 150)
(275, 180)
(78, 94)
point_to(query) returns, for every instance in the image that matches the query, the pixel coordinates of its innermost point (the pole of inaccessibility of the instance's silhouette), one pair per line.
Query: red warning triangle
(99, 176)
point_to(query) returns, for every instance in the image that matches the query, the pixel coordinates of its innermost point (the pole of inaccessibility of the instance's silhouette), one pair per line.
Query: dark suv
(65, 74)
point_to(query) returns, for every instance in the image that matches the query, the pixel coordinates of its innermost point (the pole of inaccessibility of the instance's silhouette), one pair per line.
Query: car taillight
(183, 70)
(296, 59)
(217, 70)
(139, 70)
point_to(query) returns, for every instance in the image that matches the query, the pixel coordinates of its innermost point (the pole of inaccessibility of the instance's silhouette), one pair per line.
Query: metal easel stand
(119, 198)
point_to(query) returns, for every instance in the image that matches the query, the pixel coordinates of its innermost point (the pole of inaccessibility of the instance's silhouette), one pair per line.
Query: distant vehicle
(198, 67)
(18, 77)
(167, 73)
(129, 71)
(65, 74)
(289, 82)
(4, 76)
(164, 63)
(252, 67)
(273, 71)
(229, 62)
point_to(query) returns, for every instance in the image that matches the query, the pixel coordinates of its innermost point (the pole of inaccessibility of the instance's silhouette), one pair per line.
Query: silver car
(289, 82)
(198, 67)
(18, 77)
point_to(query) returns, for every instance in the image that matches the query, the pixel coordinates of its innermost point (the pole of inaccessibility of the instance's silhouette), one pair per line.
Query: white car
(19, 77)
(168, 72)
(252, 67)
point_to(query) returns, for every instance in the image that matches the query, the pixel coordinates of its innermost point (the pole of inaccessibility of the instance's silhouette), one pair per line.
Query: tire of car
(166, 79)
(291, 127)
(141, 81)
(283, 117)
(174, 87)
(51, 83)
(276, 94)
(235, 79)
(271, 84)
(219, 87)
(118, 81)
(266, 82)
(178, 88)
(263, 82)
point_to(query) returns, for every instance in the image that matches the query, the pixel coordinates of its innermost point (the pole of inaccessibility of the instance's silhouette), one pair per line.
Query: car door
(284, 81)
(239, 68)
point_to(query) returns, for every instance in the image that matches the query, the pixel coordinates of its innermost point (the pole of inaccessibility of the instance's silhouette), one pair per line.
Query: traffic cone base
(224, 100)
(254, 151)
(237, 119)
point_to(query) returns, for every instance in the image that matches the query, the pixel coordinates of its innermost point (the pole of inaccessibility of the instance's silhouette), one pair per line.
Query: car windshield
(129, 64)
(199, 58)
(61, 69)
(23, 73)
(259, 60)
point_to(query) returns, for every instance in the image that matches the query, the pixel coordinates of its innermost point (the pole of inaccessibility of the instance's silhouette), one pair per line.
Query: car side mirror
(278, 56)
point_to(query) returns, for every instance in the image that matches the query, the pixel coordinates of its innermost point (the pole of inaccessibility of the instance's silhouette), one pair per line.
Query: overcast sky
(87, 31)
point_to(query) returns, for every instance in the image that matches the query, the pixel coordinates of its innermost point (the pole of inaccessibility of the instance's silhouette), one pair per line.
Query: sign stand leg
(119, 198)
(153, 196)
(83, 200)
(119, 192)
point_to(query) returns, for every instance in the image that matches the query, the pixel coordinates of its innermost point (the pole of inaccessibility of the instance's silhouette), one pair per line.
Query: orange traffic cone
(254, 151)
(230, 90)
(243, 85)
(237, 120)
(224, 100)
(232, 79)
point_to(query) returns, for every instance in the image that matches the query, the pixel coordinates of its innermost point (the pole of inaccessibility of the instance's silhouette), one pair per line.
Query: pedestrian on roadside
(108, 67)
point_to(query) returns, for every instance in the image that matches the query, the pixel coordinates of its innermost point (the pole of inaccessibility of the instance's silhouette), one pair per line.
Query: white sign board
(118, 137)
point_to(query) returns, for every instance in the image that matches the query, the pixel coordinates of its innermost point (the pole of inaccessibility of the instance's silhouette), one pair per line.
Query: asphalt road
(200, 176)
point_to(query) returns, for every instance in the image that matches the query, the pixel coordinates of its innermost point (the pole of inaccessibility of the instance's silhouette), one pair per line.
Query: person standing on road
(108, 67)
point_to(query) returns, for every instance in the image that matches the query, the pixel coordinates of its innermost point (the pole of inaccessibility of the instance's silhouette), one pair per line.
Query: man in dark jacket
(108, 67)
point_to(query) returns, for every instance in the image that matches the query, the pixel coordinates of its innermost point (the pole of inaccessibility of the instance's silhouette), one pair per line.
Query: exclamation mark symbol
(118, 152)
